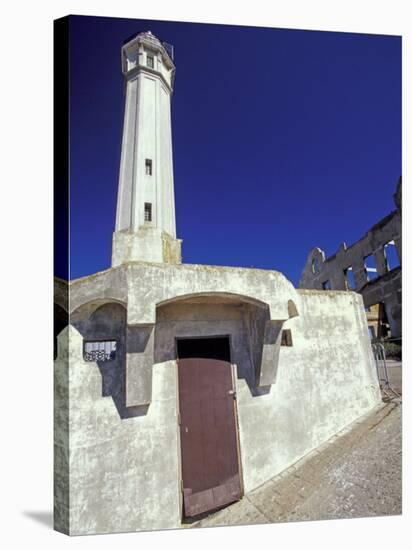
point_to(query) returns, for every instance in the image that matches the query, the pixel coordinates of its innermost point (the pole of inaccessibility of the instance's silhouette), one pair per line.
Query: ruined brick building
(372, 267)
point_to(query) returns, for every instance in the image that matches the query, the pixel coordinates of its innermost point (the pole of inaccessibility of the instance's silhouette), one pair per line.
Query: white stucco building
(178, 387)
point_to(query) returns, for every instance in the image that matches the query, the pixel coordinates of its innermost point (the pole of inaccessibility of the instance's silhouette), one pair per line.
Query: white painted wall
(124, 473)
(147, 134)
(324, 382)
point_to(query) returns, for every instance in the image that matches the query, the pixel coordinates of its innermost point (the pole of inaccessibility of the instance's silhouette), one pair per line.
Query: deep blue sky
(282, 139)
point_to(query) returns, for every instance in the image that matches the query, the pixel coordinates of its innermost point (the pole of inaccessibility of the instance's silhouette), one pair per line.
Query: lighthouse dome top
(142, 35)
(146, 36)
(146, 40)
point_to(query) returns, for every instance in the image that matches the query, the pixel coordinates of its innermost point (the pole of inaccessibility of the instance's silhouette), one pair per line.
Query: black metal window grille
(147, 212)
(100, 350)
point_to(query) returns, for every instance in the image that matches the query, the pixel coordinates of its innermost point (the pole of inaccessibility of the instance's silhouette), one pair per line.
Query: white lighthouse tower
(145, 217)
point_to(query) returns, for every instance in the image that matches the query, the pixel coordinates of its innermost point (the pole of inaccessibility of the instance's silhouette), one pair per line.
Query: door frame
(233, 371)
(208, 337)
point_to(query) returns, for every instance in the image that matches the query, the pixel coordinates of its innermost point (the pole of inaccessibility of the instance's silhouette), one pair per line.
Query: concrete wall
(112, 474)
(147, 244)
(122, 470)
(143, 286)
(324, 382)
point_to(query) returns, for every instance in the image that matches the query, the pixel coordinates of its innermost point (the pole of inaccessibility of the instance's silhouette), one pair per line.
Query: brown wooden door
(208, 434)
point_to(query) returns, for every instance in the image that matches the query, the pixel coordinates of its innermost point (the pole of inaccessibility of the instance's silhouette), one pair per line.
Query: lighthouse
(145, 217)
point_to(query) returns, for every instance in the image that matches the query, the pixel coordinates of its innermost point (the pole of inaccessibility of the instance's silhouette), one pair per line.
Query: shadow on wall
(253, 343)
(254, 321)
(60, 321)
(244, 323)
(108, 323)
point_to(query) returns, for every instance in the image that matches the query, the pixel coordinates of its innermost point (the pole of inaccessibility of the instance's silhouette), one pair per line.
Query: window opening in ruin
(286, 339)
(150, 61)
(148, 165)
(99, 350)
(315, 265)
(326, 285)
(371, 330)
(349, 278)
(370, 267)
(147, 212)
(391, 256)
(383, 327)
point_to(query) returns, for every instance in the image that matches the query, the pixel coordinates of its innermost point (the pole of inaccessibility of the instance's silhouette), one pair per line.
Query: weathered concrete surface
(61, 438)
(124, 461)
(145, 244)
(386, 288)
(320, 386)
(143, 287)
(112, 473)
(355, 474)
(160, 283)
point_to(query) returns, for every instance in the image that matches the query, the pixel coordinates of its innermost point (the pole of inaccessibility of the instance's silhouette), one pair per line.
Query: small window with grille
(101, 350)
(148, 164)
(286, 338)
(150, 61)
(147, 212)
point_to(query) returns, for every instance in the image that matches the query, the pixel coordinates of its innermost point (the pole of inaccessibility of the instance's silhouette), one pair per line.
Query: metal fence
(382, 371)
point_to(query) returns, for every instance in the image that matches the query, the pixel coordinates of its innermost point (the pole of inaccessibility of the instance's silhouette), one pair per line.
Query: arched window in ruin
(315, 265)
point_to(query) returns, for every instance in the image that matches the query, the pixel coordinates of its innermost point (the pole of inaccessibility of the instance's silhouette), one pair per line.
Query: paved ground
(357, 473)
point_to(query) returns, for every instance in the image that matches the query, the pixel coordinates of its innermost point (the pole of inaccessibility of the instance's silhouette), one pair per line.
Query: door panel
(210, 462)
